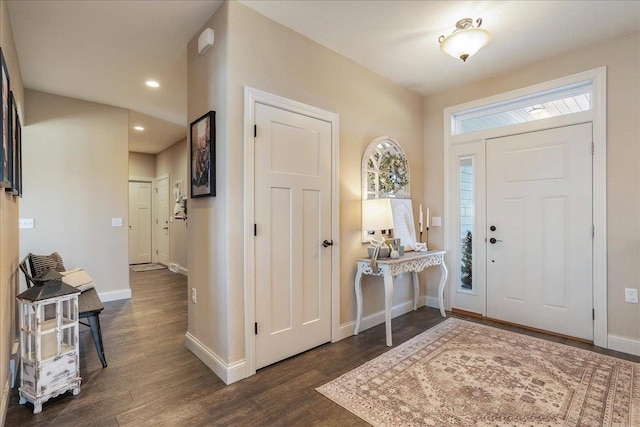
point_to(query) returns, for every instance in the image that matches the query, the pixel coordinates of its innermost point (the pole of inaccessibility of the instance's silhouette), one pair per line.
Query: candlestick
(420, 222)
(427, 224)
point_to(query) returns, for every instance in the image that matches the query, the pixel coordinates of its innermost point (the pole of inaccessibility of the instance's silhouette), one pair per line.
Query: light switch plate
(116, 222)
(25, 223)
(436, 221)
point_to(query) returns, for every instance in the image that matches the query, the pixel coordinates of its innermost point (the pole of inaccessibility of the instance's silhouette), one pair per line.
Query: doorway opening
(464, 143)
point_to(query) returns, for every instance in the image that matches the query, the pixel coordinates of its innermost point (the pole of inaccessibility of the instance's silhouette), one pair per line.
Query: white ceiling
(103, 51)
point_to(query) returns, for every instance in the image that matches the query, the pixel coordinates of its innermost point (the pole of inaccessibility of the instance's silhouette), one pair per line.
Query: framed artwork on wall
(5, 164)
(202, 146)
(16, 144)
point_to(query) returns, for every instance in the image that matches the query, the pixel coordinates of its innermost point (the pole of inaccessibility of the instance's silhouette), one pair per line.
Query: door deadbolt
(492, 228)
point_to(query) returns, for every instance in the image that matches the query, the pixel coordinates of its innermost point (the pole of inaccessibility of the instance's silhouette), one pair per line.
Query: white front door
(293, 218)
(539, 199)
(163, 220)
(139, 222)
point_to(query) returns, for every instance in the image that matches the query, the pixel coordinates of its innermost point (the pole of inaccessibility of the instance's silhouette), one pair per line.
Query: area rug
(148, 267)
(460, 373)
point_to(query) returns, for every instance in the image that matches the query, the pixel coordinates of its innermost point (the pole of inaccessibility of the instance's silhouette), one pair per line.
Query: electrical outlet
(631, 295)
(194, 295)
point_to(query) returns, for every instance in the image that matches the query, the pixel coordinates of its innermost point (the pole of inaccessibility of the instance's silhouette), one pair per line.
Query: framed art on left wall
(202, 148)
(7, 155)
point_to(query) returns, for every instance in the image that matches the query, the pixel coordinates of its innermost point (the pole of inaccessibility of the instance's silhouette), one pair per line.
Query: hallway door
(139, 222)
(293, 197)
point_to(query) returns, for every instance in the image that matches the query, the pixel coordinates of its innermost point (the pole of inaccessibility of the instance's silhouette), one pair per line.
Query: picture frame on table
(404, 225)
(6, 173)
(202, 150)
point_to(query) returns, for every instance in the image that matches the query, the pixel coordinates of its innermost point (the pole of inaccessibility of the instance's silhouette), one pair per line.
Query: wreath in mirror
(385, 170)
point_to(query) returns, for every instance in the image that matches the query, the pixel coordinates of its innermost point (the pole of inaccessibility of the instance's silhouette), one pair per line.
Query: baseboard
(625, 345)
(177, 268)
(4, 404)
(115, 295)
(346, 330)
(431, 302)
(229, 373)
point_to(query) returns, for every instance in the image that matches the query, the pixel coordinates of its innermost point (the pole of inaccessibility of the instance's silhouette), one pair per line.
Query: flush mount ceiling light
(465, 40)
(152, 83)
(138, 128)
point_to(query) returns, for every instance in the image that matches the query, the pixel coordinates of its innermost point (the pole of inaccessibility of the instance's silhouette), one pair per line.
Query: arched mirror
(385, 172)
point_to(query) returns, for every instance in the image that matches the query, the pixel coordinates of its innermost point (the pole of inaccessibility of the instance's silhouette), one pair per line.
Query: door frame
(154, 218)
(156, 256)
(597, 116)
(251, 97)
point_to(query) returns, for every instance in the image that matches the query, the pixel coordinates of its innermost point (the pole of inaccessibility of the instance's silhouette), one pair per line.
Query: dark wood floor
(152, 379)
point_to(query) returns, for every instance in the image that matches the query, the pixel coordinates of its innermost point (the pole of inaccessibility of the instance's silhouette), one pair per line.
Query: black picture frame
(16, 144)
(202, 150)
(7, 157)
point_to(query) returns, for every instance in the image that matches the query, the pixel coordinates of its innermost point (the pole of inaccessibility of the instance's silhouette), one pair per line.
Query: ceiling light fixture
(138, 128)
(152, 83)
(465, 40)
(539, 112)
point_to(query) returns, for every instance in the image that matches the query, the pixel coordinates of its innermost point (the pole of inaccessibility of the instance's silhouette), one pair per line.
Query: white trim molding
(228, 372)
(598, 117)
(625, 345)
(251, 97)
(115, 295)
(375, 319)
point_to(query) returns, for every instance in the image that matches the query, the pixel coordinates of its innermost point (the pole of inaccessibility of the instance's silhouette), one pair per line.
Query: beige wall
(622, 59)
(9, 251)
(76, 181)
(174, 162)
(207, 232)
(142, 165)
(254, 51)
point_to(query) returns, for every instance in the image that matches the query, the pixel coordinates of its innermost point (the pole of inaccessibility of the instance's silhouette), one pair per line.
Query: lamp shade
(377, 215)
(465, 41)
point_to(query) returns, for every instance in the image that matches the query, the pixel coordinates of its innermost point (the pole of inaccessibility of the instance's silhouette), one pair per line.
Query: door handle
(327, 243)
(493, 240)
(165, 228)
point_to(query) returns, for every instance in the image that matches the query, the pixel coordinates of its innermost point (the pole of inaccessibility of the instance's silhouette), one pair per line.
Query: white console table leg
(443, 280)
(416, 290)
(358, 287)
(388, 302)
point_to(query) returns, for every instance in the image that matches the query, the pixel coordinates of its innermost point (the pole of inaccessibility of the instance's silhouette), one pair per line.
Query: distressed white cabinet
(49, 356)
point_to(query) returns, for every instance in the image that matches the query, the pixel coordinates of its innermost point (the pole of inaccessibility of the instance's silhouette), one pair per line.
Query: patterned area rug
(463, 374)
(148, 267)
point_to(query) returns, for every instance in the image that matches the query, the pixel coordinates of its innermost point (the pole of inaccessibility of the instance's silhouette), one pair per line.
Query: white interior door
(139, 222)
(162, 230)
(293, 218)
(539, 199)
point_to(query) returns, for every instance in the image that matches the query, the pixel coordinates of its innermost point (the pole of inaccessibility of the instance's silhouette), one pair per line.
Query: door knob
(493, 240)
(327, 243)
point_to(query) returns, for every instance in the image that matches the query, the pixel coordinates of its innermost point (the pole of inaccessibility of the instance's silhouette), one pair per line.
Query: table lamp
(377, 216)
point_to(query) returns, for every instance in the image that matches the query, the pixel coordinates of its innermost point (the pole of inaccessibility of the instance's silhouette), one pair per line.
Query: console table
(410, 262)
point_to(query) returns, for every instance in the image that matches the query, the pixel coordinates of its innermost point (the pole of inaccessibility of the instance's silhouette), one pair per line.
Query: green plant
(393, 173)
(466, 264)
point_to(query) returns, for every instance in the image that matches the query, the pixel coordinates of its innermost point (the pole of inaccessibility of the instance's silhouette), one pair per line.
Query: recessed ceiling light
(139, 128)
(152, 83)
